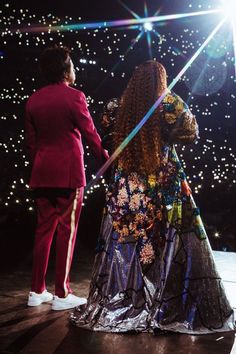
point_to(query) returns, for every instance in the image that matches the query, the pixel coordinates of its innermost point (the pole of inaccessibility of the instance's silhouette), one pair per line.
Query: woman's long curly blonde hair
(142, 154)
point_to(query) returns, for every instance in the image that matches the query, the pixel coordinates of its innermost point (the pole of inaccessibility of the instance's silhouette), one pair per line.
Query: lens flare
(229, 8)
(148, 26)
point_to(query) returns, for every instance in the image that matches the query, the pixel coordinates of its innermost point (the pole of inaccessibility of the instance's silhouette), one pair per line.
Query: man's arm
(84, 122)
(30, 135)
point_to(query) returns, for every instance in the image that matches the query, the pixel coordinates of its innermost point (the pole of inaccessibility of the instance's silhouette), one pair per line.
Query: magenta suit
(56, 118)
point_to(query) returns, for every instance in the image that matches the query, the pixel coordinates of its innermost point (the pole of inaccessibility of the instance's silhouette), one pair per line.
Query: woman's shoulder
(173, 106)
(179, 124)
(174, 102)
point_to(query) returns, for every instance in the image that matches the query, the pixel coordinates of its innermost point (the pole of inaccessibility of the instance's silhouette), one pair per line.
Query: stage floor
(39, 330)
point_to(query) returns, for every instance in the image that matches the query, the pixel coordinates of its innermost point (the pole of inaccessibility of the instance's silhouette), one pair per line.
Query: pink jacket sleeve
(30, 135)
(84, 122)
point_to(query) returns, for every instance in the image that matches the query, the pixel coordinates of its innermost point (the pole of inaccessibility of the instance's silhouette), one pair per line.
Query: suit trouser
(58, 212)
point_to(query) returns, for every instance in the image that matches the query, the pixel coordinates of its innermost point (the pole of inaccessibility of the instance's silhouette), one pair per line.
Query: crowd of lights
(212, 157)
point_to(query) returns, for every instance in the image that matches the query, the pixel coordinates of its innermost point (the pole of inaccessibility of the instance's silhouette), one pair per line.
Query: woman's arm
(179, 125)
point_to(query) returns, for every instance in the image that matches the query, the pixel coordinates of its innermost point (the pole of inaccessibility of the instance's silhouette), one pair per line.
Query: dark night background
(215, 109)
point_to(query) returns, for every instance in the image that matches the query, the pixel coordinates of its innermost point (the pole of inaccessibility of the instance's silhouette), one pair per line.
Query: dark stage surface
(42, 331)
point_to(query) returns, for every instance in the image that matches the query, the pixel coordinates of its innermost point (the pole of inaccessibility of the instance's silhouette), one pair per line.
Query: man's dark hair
(54, 63)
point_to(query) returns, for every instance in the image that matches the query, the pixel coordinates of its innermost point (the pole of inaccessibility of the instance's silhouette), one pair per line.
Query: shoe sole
(66, 307)
(35, 303)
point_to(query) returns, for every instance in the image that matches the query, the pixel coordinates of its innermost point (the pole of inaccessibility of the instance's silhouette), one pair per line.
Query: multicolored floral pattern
(144, 207)
(178, 124)
(173, 106)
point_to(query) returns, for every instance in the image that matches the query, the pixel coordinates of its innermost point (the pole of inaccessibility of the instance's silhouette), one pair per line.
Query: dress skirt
(154, 269)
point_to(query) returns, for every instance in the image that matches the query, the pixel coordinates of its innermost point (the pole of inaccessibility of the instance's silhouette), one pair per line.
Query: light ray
(117, 23)
(126, 141)
(145, 9)
(149, 42)
(128, 9)
(131, 27)
(157, 12)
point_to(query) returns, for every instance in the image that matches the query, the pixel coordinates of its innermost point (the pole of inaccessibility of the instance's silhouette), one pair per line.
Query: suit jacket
(56, 118)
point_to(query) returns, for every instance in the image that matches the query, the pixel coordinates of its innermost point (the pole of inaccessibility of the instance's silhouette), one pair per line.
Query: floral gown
(154, 268)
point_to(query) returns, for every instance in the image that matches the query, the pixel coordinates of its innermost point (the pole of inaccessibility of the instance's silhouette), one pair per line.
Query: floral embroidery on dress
(122, 197)
(147, 254)
(173, 106)
(178, 124)
(136, 205)
(143, 207)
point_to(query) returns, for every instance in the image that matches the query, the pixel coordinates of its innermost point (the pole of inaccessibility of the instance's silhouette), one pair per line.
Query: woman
(154, 268)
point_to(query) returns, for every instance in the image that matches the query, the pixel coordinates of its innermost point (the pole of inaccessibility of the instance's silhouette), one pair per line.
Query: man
(56, 118)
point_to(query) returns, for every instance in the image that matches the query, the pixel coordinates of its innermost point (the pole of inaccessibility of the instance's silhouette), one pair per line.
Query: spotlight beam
(117, 23)
(126, 141)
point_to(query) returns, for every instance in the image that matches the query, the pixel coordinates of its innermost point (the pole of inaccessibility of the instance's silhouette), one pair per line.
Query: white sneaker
(35, 299)
(69, 302)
